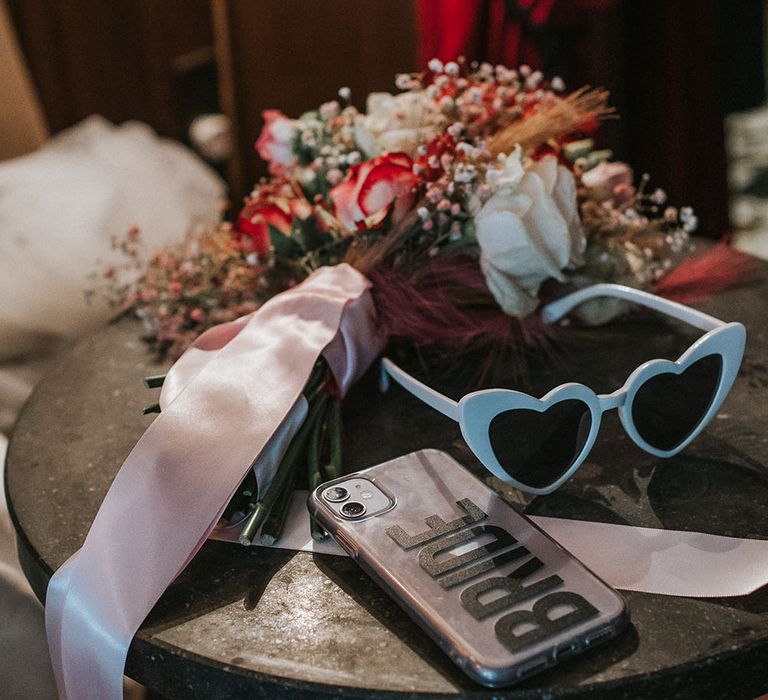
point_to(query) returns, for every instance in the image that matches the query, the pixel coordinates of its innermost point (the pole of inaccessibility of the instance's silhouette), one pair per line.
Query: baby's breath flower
(403, 81)
(435, 65)
(691, 224)
(434, 194)
(454, 130)
(464, 173)
(334, 176)
(328, 110)
(446, 104)
(533, 80)
(485, 71)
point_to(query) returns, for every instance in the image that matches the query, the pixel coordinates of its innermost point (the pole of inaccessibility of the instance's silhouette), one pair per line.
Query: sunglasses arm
(448, 407)
(556, 310)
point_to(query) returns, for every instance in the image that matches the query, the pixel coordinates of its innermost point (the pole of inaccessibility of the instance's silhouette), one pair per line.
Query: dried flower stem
(555, 118)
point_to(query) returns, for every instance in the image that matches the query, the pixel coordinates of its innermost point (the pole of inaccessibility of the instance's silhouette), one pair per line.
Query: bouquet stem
(318, 436)
(154, 381)
(333, 469)
(273, 525)
(283, 479)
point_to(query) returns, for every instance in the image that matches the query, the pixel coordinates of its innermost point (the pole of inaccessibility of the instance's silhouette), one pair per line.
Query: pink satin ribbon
(235, 396)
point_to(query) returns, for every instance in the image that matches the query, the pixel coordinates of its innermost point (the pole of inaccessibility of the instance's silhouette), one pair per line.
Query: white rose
(529, 231)
(396, 123)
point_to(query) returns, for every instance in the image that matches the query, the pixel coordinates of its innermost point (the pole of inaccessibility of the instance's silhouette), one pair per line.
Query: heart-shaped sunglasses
(537, 444)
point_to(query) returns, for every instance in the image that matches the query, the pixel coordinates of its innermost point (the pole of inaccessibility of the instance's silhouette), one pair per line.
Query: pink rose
(610, 182)
(372, 187)
(275, 143)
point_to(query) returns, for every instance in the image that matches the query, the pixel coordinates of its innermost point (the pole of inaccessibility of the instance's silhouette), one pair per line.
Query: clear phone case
(499, 596)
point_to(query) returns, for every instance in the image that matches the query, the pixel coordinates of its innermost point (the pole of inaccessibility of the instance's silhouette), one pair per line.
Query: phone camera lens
(352, 509)
(336, 494)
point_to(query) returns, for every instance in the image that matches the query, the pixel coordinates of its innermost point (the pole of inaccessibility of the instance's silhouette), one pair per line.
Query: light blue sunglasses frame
(475, 411)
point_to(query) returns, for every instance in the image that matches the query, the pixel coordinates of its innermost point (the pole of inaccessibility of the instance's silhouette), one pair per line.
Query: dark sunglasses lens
(669, 407)
(537, 448)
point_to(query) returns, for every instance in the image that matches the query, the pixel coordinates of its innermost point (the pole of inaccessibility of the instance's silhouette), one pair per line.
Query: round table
(275, 623)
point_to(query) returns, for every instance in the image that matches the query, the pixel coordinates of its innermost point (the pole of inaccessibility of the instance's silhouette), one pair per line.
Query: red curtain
(658, 58)
(497, 31)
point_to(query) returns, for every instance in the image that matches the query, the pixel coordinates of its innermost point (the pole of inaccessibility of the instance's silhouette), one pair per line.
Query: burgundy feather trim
(697, 279)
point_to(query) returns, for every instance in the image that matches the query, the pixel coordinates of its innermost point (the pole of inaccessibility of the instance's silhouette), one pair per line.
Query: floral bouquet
(465, 199)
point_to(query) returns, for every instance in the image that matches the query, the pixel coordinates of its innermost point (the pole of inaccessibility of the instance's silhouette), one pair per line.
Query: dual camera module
(356, 498)
(349, 509)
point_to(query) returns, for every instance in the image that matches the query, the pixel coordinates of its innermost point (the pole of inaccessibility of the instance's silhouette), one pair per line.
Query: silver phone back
(500, 597)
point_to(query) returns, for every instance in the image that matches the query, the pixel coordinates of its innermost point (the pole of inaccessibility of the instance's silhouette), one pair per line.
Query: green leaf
(285, 246)
(312, 237)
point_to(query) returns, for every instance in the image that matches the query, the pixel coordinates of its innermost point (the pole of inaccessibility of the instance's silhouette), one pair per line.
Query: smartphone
(496, 593)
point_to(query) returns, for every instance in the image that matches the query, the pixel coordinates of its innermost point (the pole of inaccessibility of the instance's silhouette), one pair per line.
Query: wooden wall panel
(295, 54)
(119, 59)
(22, 126)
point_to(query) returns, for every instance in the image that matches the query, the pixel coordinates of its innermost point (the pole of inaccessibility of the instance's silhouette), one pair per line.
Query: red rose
(252, 226)
(372, 187)
(278, 204)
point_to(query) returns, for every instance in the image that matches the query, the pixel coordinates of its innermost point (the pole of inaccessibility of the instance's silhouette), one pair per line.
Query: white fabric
(61, 206)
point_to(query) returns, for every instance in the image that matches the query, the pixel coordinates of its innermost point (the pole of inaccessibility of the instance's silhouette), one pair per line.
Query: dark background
(674, 68)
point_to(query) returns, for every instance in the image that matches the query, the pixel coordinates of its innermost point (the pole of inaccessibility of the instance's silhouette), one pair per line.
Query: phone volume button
(346, 545)
(599, 636)
(533, 666)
